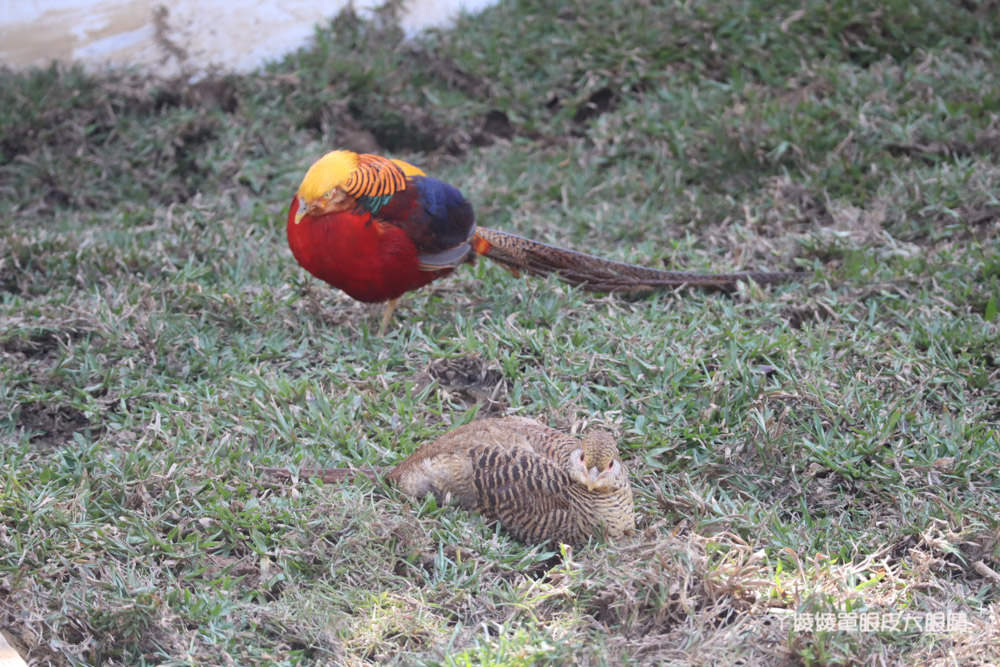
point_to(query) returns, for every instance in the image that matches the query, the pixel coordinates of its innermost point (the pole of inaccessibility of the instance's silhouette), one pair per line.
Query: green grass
(821, 447)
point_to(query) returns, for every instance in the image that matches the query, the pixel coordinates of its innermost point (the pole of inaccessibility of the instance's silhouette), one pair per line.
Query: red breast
(353, 251)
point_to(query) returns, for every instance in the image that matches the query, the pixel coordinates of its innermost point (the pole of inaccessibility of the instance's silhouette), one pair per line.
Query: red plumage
(371, 260)
(378, 228)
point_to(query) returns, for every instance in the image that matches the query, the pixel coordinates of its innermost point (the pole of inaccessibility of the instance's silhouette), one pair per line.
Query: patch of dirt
(8, 278)
(92, 107)
(449, 72)
(40, 344)
(810, 206)
(31, 266)
(496, 125)
(406, 127)
(471, 380)
(246, 568)
(26, 641)
(797, 316)
(931, 151)
(52, 426)
(980, 215)
(600, 101)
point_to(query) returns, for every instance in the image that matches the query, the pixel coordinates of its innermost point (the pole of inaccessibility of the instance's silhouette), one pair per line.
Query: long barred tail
(603, 275)
(327, 475)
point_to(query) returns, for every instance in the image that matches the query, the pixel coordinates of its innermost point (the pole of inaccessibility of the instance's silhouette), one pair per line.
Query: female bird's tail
(327, 475)
(603, 275)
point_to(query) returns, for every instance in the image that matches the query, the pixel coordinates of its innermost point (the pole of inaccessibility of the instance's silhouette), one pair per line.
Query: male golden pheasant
(377, 228)
(539, 483)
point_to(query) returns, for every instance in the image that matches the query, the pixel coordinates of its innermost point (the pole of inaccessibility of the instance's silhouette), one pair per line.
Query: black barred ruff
(375, 176)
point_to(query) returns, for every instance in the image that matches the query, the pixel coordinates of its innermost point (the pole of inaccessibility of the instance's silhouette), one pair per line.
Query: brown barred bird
(539, 483)
(377, 228)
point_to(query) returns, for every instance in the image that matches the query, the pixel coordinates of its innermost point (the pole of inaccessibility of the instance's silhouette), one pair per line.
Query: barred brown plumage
(539, 483)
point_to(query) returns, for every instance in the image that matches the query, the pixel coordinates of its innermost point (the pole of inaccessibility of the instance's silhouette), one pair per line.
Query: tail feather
(327, 475)
(603, 275)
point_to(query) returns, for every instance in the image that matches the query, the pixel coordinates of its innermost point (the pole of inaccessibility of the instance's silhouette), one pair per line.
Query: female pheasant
(377, 228)
(538, 483)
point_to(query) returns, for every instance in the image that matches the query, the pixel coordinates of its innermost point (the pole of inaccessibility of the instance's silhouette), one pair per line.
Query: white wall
(181, 35)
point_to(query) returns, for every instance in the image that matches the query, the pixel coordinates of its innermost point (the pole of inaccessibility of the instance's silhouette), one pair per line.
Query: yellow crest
(359, 175)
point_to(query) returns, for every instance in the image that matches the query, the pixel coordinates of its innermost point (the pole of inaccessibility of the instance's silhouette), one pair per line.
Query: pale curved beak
(300, 210)
(598, 481)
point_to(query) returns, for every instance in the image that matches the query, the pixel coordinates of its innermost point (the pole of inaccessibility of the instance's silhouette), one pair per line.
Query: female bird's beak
(603, 480)
(300, 210)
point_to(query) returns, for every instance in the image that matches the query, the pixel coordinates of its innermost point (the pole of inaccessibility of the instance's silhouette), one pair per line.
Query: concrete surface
(184, 36)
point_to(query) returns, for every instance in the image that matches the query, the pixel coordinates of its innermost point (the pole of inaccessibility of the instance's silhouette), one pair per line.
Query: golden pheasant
(539, 483)
(377, 228)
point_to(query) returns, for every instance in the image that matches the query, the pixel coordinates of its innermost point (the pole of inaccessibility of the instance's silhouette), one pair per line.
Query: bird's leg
(390, 308)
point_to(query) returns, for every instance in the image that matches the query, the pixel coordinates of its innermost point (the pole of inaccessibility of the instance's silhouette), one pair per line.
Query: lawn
(816, 465)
